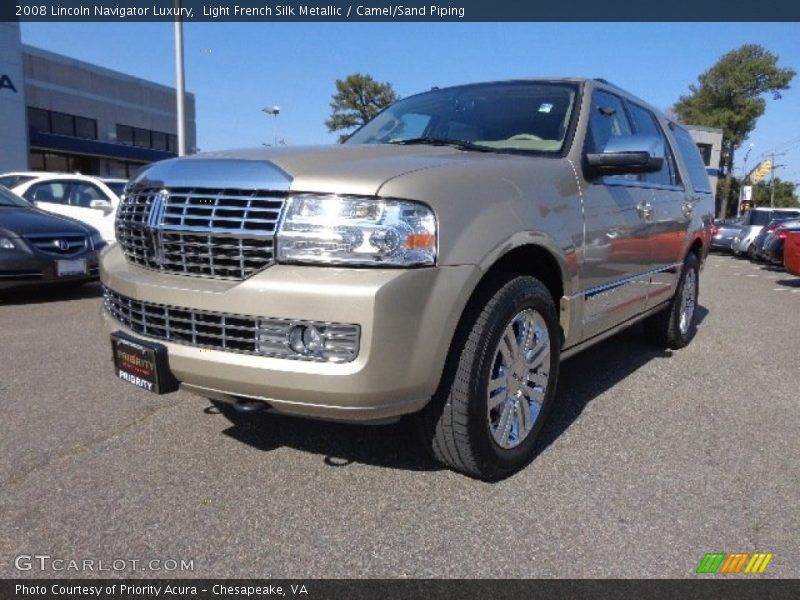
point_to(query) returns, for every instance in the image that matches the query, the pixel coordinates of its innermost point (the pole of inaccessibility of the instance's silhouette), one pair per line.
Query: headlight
(357, 231)
(6, 244)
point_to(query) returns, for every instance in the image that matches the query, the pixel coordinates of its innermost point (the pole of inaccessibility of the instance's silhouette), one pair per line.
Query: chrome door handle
(688, 209)
(645, 209)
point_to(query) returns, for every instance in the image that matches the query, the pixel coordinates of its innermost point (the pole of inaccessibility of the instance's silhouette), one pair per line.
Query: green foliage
(358, 98)
(730, 95)
(785, 196)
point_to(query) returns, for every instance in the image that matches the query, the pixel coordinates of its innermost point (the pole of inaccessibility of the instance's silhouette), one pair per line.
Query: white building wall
(13, 122)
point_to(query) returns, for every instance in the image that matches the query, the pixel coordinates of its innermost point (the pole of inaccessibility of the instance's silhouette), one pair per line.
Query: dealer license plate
(142, 364)
(70, 268)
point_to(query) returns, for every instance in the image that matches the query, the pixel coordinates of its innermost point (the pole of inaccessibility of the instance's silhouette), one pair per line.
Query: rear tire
(499, 381)
(676, 325)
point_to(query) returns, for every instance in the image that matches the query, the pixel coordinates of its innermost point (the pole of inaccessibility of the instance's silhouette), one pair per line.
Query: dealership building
(62, 114)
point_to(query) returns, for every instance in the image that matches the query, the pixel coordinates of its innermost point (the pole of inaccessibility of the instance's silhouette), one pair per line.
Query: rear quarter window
(692, 159)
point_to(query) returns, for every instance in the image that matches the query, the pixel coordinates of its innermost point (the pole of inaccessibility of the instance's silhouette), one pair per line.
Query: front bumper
(407, 319)
(22, 268)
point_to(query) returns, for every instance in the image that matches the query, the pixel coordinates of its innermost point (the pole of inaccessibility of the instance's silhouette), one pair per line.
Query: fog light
(306, 339)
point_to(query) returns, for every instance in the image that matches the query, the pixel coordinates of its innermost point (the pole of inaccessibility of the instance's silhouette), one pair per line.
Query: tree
(358, 98)
(784, 194)
(730, 96)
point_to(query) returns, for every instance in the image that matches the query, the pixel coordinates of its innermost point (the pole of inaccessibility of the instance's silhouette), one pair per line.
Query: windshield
(517, 116)
(11, 181)
(8, 198)
(763, 217)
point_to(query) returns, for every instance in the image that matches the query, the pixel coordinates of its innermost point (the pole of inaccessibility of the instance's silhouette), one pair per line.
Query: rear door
(670, 212)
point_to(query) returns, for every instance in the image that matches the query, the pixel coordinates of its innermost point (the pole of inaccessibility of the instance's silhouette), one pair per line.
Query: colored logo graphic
(736, 562)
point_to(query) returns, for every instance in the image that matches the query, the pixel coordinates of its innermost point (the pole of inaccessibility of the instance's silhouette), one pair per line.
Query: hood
(20, 221)
(339, 169)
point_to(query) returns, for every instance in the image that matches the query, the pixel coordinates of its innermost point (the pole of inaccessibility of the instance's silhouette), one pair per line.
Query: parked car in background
(774, 245)
(723, 231)
(756, 250)
(37, 247)
(81, 197)
(753, 221)
(791, 252)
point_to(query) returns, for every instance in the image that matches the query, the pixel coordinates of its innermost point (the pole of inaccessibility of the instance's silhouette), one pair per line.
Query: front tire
(499, 381)
(676, 325)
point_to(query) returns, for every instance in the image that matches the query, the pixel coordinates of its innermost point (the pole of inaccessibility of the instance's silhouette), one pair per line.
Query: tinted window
(692, 159)
(159, 140)
(62, 124)
(51, 191)
(86, 128)
(84, 193)
(141, 137)
(645, 123)
(125, 135)
(39, 119)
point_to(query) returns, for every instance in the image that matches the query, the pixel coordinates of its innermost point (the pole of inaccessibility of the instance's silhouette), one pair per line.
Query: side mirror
(628, 154)
(103, 205)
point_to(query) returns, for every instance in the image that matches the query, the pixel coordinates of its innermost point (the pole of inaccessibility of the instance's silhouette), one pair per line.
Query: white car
(753, 221)
(82, 197)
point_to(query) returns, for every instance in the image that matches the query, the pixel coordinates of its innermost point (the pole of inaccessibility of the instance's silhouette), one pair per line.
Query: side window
(608, 120)
(692, 159)
(84, 193)
(54, 192)
(646, 124)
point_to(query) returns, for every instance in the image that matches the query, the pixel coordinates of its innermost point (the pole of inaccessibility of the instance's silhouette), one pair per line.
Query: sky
(236, 69)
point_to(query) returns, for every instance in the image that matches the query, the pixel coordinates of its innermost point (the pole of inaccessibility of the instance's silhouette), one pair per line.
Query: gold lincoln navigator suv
(441, 262)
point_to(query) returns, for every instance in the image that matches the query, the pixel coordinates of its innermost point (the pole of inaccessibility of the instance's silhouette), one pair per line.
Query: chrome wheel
(688, 301)
(518, 379)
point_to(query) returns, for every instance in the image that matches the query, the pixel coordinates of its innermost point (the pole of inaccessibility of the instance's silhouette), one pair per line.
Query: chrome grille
(64, 244)
(228, 332)
(224, 233)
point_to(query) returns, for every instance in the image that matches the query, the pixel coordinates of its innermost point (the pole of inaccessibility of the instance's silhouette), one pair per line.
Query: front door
(617, 261)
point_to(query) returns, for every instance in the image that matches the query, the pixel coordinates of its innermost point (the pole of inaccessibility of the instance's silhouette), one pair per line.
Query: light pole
(273, 110)
(179, 80)
(744, 180)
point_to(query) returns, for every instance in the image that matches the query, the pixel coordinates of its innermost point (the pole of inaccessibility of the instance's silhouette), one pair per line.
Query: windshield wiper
(435, 141)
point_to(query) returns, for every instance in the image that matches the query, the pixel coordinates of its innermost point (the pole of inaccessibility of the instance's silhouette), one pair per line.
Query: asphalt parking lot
(651, 460)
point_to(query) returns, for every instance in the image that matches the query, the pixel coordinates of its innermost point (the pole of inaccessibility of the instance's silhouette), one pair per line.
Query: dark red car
(791, 253)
